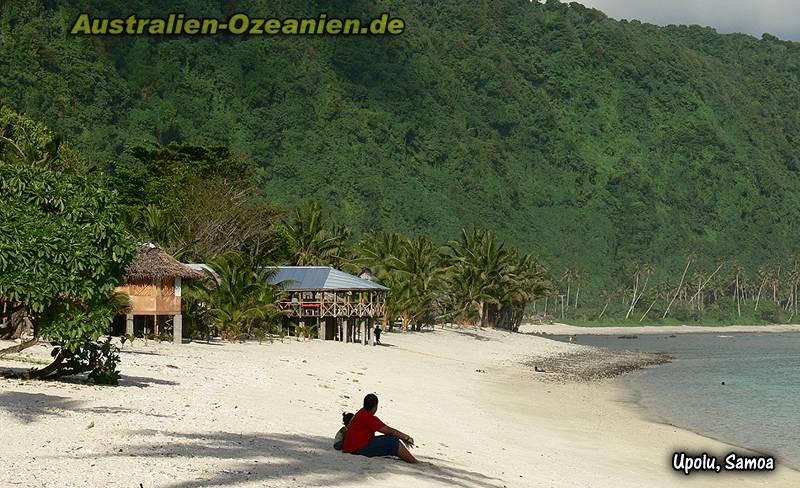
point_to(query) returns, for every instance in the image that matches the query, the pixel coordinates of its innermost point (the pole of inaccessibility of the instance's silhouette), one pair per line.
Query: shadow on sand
(474, 335)
(142, 382)
(287, 457)
(80, 379)
(30, 407)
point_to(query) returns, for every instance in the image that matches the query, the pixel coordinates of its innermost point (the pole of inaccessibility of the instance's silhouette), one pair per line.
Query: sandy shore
(564, 329)
(264, 415)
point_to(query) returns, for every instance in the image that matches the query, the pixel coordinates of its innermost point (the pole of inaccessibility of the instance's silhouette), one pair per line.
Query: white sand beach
(252, 415)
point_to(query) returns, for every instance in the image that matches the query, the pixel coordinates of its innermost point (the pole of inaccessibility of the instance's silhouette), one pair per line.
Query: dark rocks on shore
(595, 363)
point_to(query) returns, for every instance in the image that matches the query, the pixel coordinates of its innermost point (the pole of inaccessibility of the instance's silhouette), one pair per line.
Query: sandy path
(265, 415)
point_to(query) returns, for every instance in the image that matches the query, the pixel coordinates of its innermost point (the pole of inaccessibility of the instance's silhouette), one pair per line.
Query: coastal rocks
(594, 363)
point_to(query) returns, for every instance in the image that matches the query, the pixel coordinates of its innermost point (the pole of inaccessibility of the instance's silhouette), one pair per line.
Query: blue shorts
(381, 445)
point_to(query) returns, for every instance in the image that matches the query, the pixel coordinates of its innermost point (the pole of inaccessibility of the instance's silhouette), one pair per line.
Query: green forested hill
(591, 141)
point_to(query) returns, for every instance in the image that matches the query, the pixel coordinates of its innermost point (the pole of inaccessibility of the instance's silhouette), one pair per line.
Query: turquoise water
(759, 405)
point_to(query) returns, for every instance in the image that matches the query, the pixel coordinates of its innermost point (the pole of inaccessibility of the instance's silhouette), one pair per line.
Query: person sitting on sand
(338, 440)
(361, 439)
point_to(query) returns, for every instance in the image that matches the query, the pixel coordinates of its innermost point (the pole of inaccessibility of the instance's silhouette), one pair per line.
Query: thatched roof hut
(153, 285)
(153, 262)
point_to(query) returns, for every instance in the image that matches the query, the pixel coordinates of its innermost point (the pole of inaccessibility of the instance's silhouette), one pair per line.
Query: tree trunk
(19, 321)
(738, 297)
(19, 347)
(50, 370)
(758, 296)
(604, 310)
(491, 315)
(678, 290)
(648, 310)
(633, 298)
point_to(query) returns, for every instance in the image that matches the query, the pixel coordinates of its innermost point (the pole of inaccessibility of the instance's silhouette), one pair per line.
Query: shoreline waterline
(631, 398)
(750, 409)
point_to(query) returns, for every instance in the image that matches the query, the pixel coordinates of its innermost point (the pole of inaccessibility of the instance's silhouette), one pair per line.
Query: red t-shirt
(362, 428)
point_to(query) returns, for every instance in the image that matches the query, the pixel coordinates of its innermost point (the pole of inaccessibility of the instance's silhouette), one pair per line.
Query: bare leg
(404, 454)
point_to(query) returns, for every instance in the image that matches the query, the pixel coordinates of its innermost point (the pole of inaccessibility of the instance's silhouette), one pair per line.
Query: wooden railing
(331, 309)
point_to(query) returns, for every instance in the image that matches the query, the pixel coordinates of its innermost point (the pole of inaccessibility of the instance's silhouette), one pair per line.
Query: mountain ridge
(592, 141)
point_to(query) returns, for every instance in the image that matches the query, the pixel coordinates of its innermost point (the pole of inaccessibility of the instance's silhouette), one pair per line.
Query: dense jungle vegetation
(648, 167)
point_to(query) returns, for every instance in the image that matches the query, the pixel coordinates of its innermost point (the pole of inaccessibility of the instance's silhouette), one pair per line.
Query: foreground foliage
(62, 249)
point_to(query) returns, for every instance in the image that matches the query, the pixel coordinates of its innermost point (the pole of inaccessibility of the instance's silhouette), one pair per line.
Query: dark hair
(346, 418)
(370, 401)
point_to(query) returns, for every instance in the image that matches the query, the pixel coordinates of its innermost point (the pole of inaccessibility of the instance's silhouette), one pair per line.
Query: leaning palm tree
(689, 259)
(608, 296)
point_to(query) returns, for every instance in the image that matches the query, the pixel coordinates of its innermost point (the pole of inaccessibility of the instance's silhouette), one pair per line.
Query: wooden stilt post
(177, 329)
(363, 330)
(371, 334)
(129, 324)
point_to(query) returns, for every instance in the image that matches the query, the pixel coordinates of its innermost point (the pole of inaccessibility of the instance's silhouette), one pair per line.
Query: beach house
(153, 283)
(342, 306)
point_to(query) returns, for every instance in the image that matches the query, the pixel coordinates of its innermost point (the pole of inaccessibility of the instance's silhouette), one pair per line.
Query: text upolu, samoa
(687, 463)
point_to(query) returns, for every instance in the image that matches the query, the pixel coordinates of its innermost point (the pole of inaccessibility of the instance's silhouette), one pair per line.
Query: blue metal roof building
(341, 306)
(320, 278)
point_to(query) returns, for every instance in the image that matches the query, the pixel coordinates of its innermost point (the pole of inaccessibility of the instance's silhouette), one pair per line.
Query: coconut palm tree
(312, 242)
(647, 270)
(377, 252)
(523, 281)
(608, 296)
(491, 283)
(416, 272)
(736, 274)
(478, 259)
(238, 299)
(411, 268)
(689, 259)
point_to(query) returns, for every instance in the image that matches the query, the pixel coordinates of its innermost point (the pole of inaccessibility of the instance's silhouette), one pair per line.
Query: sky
(780, 18)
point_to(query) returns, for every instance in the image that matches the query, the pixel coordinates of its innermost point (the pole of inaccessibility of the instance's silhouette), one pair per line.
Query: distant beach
(253, 415)
(565, 329)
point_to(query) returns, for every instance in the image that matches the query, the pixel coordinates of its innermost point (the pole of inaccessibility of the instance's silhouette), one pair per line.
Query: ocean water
(758, 407)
